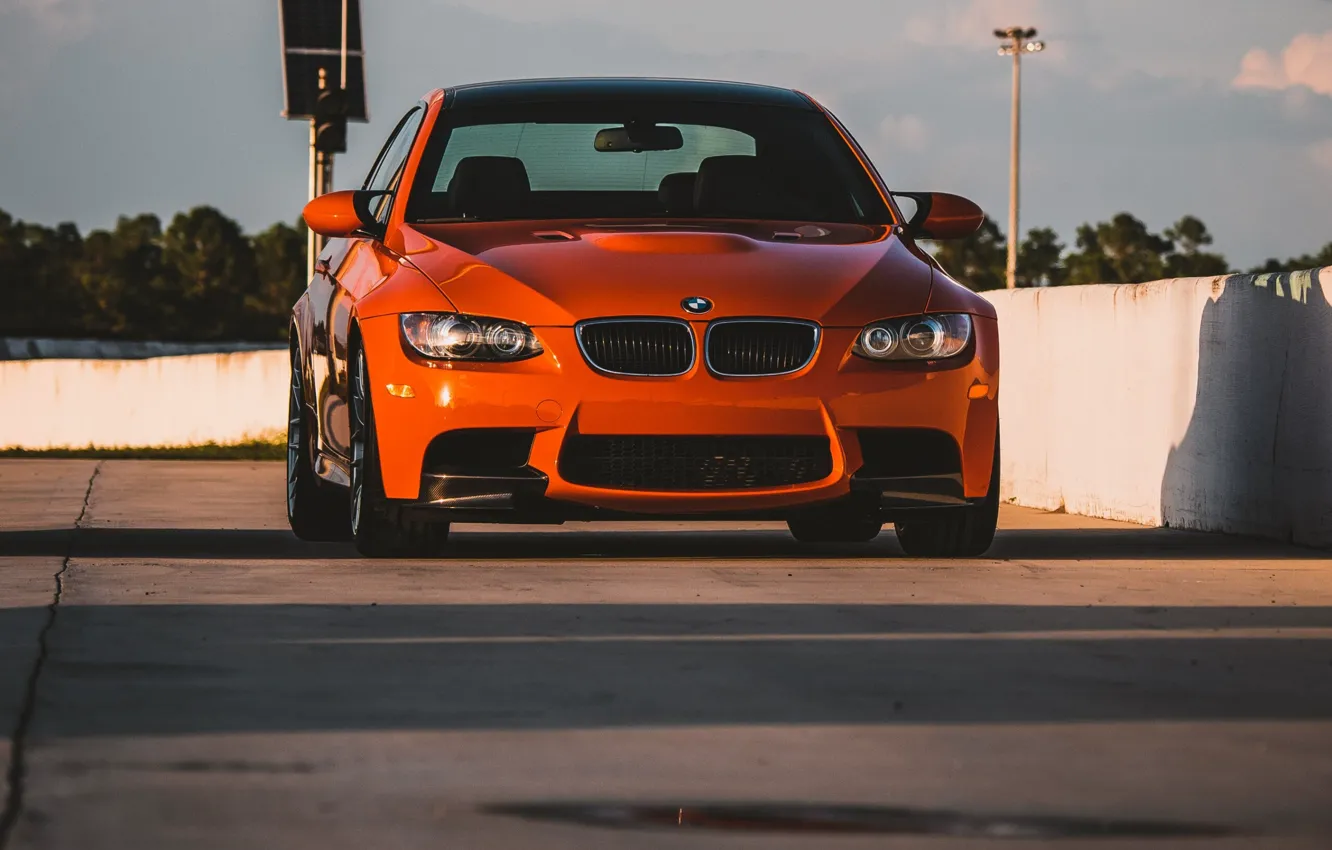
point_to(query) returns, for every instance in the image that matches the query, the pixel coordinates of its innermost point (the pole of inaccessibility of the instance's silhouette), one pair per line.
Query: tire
(956, 533)
(316, 511)
(834, 529)
(378, 528)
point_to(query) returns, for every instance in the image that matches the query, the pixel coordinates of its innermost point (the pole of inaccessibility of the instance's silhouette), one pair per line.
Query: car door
(351, 268)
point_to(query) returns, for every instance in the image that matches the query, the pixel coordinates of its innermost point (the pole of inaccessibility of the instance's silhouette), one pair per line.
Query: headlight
(935, 337)
(449, 336)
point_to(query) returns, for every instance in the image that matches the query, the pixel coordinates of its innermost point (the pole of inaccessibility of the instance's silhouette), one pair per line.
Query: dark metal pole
(1014, 169)
(320, 174)
(312, 241)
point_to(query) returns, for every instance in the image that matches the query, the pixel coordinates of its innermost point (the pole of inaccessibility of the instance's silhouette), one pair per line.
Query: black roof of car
(621, 88)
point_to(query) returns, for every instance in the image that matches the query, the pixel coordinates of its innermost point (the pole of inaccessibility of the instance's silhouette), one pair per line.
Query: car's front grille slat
(759, 347)
(644, 347)
(694, 463)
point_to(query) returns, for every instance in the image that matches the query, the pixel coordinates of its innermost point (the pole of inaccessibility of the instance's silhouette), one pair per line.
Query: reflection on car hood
(559, 273)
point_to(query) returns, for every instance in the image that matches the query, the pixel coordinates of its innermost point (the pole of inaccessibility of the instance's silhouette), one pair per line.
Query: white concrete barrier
(39, 348)
(1198, 403)
(161, 401)
(1201, 403)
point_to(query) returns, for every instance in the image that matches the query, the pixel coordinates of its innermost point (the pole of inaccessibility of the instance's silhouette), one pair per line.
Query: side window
(388, 168)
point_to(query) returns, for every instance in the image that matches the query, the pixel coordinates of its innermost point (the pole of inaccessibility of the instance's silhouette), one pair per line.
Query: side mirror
(940, 215)
(342, 213)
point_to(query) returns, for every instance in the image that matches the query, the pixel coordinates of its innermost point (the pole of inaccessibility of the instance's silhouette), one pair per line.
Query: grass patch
(253, 450)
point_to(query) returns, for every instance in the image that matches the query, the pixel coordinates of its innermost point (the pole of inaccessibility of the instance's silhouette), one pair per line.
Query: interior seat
(489, 187)
(740, 186)
(676, 193)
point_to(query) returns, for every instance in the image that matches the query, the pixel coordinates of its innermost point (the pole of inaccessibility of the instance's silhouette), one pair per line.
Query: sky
(1216, 108)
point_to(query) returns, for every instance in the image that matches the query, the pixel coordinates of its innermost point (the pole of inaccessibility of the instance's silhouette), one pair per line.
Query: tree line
(1122, 250)
(201, 278)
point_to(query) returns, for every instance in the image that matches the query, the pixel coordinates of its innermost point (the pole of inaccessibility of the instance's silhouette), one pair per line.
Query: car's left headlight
(451, 336)
(936, 336)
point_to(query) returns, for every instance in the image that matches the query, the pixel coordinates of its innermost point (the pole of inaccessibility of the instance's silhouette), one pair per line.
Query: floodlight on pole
(1017, 40)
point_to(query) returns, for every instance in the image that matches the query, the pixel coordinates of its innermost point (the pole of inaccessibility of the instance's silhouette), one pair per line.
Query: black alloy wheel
(379, 527)
(316, 511)
(360, 436)
(958, 532)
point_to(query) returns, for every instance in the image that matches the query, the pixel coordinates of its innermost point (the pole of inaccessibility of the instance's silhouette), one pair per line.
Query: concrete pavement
(209, 681)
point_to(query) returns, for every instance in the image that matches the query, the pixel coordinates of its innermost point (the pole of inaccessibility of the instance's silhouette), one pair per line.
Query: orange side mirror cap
(341, 213)
(940, 215)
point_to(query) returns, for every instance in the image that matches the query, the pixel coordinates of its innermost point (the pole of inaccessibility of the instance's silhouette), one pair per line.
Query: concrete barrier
(1201, 403)
(162, 401)
(36, 348)
(1198, 403)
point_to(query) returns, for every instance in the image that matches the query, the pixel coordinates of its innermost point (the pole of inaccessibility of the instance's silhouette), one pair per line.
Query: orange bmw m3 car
(600, 299)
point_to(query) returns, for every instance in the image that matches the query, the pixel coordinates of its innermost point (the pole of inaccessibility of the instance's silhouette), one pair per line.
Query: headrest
(735, 185)
(489, 187)
(676, 193)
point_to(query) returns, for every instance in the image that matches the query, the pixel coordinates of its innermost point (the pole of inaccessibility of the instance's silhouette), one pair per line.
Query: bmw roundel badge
(696, 304)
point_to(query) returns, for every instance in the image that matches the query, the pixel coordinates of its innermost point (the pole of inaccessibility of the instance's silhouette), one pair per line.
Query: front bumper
(558, 394)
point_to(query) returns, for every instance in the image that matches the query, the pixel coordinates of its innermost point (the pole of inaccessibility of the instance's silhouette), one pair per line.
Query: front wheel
(959, 532)
(378, 527)
(315, 510)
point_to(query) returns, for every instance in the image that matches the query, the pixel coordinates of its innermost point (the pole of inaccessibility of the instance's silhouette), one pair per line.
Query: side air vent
(907, 452)
(479, 449)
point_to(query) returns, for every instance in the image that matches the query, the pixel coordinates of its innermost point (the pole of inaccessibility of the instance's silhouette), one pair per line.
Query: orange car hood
(558, 273)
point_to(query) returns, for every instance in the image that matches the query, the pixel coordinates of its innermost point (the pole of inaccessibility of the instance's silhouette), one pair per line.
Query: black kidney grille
(694, 463)
(752, 348)
(638, 347)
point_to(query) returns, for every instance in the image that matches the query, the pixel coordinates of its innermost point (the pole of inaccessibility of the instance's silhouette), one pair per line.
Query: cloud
(31, 32)
(66, 20)
(1306, 61)
(904, 132)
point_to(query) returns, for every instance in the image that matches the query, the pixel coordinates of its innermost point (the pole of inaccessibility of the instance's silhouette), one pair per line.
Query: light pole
(323, 82)
(1017, 40)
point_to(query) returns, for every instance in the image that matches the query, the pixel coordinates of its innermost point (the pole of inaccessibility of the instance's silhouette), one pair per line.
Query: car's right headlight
(451, 336)
(935, 336)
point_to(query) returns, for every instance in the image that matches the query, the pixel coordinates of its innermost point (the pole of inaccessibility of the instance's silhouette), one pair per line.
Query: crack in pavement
(18, 739)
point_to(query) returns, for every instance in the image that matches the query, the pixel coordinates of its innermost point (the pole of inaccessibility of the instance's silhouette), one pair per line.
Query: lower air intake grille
(694, 463)
(907, 452)
(650, 347)
(754, 347)
(479, 449)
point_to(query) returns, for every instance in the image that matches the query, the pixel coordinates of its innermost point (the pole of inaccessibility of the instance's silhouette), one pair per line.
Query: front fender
(949, 296)
(406, 290)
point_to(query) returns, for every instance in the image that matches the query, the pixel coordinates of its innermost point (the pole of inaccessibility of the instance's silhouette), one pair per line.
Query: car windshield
(648, 160)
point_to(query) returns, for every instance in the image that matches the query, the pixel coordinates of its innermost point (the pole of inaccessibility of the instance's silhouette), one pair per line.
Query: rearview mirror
(341, 213)
(939, 215)
(638, 138)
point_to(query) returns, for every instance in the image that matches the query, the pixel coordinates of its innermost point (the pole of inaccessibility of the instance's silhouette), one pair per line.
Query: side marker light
(978, 391)
(401, 391)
